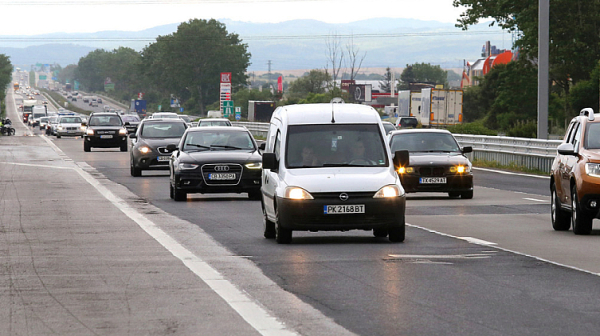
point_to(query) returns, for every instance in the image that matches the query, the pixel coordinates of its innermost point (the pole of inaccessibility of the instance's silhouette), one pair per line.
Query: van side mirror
(467, 149)
(269, 161)
(262, 146)
(401, 159)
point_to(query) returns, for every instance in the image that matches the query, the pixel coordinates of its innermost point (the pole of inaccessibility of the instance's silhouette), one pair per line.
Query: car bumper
(455, 183)
(195, 183)
(309, 215)
(69, 133)
(117, 141)
(150, 161)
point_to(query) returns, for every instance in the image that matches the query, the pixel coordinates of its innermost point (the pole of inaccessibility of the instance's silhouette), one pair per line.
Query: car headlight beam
(144, 149)
(297, 193)
(89, 132)
(187, 166)
(253, 165)
(406, 170)
(391, 190)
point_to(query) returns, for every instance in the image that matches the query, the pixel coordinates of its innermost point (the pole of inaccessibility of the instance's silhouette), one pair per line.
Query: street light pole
(543, 65)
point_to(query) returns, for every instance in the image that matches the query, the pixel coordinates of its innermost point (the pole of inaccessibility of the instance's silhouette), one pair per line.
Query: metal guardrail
(523, 152)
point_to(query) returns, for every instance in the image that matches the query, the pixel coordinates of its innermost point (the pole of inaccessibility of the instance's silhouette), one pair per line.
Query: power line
(135, 2)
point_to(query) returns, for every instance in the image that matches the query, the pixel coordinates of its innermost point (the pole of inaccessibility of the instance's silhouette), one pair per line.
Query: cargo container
(440, 107)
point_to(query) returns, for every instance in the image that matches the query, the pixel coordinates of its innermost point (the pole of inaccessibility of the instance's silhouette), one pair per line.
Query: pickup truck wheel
(561, 221)
(582, 222)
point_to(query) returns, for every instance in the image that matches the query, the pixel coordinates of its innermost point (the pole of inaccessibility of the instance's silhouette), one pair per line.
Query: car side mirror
(171, 148)
(262, 146)
(467, 149)
(401, 159)
(127, 123)
(84, 123)
(566, 149)
(133, 136)
(269, 161)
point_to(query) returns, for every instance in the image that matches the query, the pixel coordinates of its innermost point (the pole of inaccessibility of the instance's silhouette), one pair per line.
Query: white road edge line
(534, 199)
(505, 249)
(253, 313)
(34, 165)
(510, 173)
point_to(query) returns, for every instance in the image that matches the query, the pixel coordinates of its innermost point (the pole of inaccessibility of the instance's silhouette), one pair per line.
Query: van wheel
(582, 222)
(561, 221)
(397, 234)
(282, 235)
(380, 233)
(268, 226)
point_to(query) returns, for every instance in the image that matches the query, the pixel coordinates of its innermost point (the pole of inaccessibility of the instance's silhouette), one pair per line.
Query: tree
(191, 60)
(5, 75)
(406, 77)
(354, 63)
(574, 33)
(91, 70)
(335, 56)
(386, 84)
(312, 82)
(67, 74)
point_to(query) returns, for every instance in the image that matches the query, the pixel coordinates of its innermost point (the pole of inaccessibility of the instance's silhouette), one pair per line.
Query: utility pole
(269, 63)
(543, 65)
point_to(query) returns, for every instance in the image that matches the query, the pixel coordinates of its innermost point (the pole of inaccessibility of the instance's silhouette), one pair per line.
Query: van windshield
(335, 145)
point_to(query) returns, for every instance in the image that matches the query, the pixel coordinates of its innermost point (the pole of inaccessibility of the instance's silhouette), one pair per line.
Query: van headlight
(297, 193)
(254, 165)
(592, 169)
(391, 190)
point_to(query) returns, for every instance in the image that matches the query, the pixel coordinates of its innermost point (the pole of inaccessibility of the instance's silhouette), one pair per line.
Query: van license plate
(221, 176)
(343, 209)
(432, 180)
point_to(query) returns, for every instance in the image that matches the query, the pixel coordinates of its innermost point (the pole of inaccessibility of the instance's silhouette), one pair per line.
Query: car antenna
(336, 100)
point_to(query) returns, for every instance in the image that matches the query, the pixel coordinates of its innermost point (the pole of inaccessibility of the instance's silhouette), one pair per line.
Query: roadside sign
(227, 108)
(159, 108)
(181, 109)
(238, 116)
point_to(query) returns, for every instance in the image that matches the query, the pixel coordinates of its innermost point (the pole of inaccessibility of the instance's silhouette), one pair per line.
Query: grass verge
(511, 167)
(62, 100)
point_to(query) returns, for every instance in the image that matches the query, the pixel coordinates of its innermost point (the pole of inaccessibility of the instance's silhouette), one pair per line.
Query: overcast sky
(32, 17)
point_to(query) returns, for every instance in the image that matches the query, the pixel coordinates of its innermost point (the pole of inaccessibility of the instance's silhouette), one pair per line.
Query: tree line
(6, 69)
(186, 65)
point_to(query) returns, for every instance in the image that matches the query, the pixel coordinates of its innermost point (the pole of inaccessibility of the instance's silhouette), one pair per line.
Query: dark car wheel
(581, 222)
(58, 136)
(397, 234)
(179, 195)
(254, 195)
(561, 220)
(380, 233)
(268, 226)
(467, 194)
(454, 194)
(171, 192)
(124, 147)
(86, 146)
(282, 235)
(135, 172)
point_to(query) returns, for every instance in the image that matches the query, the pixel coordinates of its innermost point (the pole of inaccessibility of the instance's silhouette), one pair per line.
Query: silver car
(69, 126)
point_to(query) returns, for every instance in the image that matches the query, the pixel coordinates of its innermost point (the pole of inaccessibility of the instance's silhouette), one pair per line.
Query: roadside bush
(523, 130)
(476, 128)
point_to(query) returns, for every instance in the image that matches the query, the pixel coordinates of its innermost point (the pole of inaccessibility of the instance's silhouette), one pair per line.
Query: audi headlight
(391, 190)
(297, 193)
(592, 169)
(88, 132)
(406, 170)
(187, 166)
(144, 149)
(254, 165)
(122, 131)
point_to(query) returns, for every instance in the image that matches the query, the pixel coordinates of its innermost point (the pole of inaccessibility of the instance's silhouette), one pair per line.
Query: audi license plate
(221, 176)
(106, 136)
(163, 158)
(343, 209)
(432, 180)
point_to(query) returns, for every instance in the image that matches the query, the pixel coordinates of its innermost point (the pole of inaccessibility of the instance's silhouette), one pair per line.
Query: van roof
(321, 114)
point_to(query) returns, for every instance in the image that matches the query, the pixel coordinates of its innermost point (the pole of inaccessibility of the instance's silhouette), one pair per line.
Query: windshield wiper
(225, 146)
(201, 146)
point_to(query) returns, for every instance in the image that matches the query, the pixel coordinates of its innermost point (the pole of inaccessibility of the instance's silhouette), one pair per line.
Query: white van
(327, 167)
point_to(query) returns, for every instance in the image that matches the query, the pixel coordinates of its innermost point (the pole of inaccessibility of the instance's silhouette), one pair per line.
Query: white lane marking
(510, 173)
(507, 250)
(535, 199)
(253, 313)
(477, 241)
(439, 256)
(34, 165)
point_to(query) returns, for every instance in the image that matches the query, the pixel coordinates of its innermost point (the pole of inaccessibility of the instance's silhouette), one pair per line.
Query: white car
(69, 126)
(327, 167)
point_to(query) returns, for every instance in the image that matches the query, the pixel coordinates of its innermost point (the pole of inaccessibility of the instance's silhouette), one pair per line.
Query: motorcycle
(6, 128)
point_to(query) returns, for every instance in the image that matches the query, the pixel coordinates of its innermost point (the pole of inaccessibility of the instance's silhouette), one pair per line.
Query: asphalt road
(487, 266)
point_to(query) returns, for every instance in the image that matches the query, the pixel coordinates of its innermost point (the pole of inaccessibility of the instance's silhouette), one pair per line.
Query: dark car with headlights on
(437, 163)
(131, 122)
(149, 144)
(218, 159)
(105, 130)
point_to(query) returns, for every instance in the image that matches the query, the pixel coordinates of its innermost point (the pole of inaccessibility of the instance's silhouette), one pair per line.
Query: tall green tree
(386, 84)
(191, 60)
(5, 75)
(423, 73)
(91, 70)
(67, 74)
(313, 82)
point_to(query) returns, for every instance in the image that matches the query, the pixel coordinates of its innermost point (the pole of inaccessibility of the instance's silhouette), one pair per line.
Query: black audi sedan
(437, 163)
(149, 144)
(216, 159)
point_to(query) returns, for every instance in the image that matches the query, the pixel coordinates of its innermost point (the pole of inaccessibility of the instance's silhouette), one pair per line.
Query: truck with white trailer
(440, 107)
